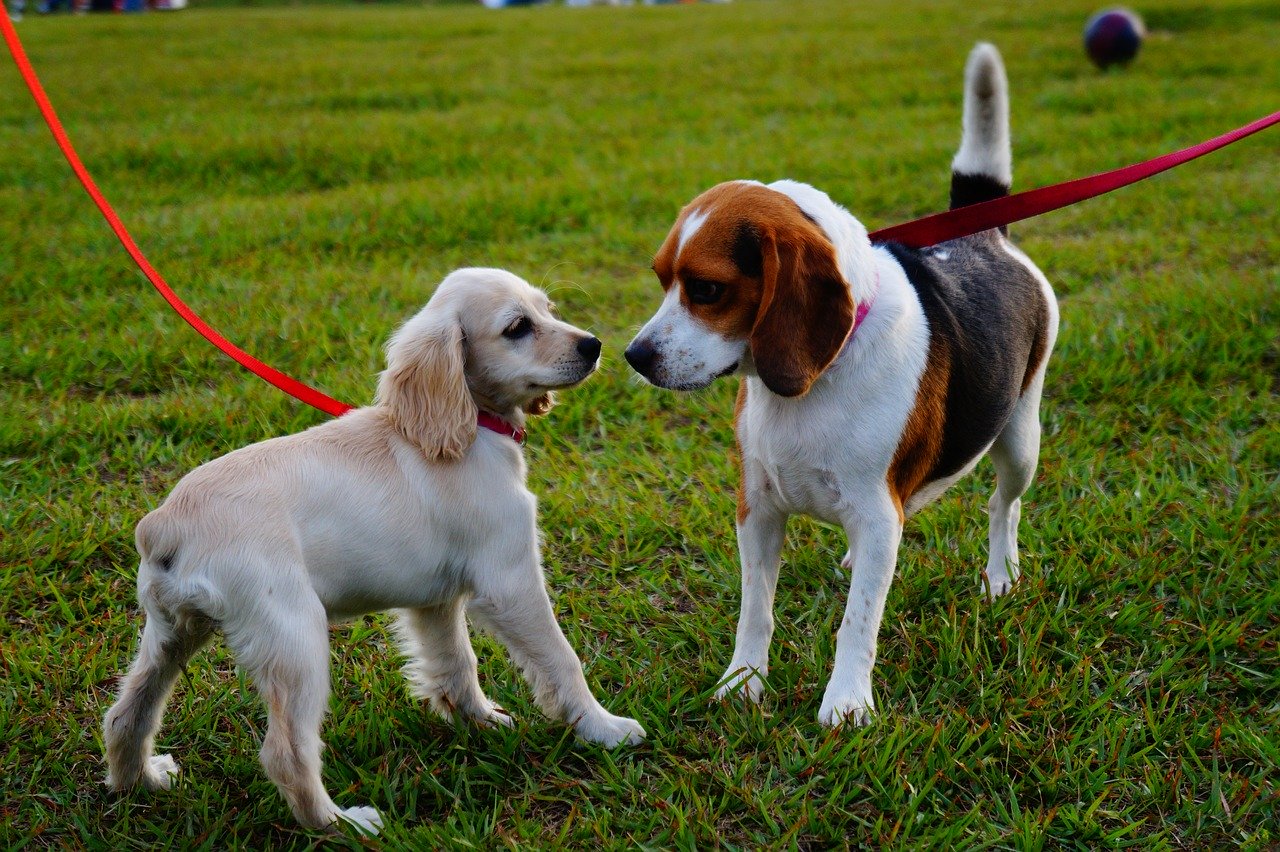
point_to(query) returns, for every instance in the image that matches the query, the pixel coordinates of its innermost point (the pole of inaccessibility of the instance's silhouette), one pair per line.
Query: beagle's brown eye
(518, 329)
(703, 292)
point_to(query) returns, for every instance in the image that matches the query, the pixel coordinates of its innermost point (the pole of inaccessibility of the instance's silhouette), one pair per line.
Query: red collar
(494, 423)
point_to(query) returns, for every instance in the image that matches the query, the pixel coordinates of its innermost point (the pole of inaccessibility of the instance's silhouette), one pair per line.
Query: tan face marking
(780, 303)
(706, 256)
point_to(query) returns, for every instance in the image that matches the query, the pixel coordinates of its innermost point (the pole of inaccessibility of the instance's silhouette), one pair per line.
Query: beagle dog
(417, 502)
(873, 376)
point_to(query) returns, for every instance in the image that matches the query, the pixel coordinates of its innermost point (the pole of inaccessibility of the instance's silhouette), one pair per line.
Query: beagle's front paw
(609, 730)
(742, 680)
(847, 708)
(1000, 578)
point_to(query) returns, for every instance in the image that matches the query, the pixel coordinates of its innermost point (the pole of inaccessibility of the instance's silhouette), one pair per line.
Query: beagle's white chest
(799, 468)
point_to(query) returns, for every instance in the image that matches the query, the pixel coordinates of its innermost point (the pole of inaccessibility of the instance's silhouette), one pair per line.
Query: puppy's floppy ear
(425, 387)
(540, 405)
(805, 310)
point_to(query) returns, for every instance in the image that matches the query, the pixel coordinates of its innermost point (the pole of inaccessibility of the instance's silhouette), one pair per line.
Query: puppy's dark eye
(518, 329)
(703, 292)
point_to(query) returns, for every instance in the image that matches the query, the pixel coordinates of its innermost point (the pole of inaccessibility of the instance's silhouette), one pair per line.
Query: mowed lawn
(304, 176)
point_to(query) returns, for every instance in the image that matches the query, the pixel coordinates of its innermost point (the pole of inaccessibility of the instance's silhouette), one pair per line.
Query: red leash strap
(289, 385)
(985, 215)
(937, 228)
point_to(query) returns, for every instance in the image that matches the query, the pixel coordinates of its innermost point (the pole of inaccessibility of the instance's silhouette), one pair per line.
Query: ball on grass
(1113, 36)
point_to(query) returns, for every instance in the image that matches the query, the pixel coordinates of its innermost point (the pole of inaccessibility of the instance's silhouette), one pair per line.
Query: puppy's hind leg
(1014, 454)
(130, 726)
(442, 663)
(285, 648)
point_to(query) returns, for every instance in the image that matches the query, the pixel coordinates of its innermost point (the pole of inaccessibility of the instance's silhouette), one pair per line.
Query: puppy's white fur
(403, 504)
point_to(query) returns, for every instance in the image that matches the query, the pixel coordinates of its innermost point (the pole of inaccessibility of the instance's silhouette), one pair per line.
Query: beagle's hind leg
(1015, 455)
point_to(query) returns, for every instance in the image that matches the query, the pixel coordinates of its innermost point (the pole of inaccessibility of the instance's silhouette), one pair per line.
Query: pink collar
(494, 423)
(864, 308)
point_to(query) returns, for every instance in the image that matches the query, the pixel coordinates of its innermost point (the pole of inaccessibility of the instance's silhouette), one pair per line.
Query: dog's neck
(500, 414)
(501, 425)
(499, 405)
(510, 413)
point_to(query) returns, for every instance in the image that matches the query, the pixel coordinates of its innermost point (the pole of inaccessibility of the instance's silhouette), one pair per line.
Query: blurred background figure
(43, 7)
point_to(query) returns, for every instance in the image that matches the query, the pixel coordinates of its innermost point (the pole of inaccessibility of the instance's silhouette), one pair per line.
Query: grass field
(305, 176)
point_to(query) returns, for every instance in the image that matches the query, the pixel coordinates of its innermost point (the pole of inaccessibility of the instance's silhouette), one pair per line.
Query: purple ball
(1113, 36)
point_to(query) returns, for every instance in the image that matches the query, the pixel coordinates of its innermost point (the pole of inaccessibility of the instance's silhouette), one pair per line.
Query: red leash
(289, 385)
(937, 228)
(985, 215)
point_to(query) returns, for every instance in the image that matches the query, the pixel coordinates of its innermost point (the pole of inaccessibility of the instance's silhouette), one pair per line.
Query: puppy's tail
(171, 584)
(983, 167)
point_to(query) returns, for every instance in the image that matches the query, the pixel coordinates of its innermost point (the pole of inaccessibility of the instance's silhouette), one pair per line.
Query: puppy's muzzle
(589, 349)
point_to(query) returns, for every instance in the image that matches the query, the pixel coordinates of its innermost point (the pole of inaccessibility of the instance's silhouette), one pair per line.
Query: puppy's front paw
(609, 730)
(366, 820)
(847, 709)
(493, 717)
(160, 772)
(742, 680)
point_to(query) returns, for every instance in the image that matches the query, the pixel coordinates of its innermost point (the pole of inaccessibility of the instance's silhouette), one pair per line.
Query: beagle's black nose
(589, 349)
(641, 355)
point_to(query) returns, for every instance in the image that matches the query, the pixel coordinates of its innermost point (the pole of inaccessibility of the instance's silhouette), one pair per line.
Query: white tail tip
(984, 147)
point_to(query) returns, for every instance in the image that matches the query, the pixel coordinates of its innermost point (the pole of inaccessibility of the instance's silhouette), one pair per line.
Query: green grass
(305, 176)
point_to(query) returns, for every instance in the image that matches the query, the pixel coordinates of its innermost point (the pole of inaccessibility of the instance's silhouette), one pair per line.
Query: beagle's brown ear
(805, 310)
(424, 387)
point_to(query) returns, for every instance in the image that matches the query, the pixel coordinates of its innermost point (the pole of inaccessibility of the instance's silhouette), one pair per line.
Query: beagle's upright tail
(983, 167)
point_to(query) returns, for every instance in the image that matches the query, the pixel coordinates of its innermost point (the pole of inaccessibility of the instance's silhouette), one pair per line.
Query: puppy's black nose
(589, 349)
(641, 355)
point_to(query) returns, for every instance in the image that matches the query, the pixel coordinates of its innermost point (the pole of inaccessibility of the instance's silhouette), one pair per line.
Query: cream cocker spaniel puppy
(417, 502)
